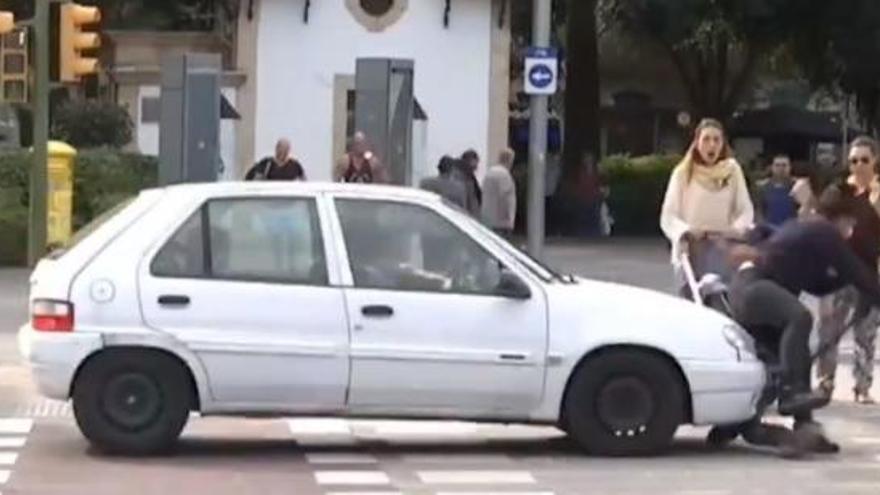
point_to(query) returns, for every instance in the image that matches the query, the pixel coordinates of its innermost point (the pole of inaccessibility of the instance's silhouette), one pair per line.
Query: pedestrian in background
(279, 167)
(776, 203)
(466, 172)
(707, 193)
(360, 165)
(863, 187)
(445, 185)
(499, 195)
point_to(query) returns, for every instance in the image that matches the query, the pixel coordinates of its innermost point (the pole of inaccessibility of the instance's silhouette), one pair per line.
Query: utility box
(60, 194)
(384, 106)
(189, 126)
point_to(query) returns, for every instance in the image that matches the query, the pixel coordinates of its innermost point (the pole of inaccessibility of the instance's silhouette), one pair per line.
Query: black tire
(132, 402)
(625, 403)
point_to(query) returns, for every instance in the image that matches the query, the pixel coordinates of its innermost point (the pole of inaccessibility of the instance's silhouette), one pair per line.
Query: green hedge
(636, 189)
(102, 178)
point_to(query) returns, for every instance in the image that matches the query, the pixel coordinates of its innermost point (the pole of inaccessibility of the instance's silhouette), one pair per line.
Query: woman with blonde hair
(707, 193)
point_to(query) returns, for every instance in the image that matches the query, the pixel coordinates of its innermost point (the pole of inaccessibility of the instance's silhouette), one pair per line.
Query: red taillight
(52, 316)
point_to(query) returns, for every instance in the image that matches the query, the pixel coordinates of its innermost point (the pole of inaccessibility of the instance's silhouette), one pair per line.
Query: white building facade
(298, 58)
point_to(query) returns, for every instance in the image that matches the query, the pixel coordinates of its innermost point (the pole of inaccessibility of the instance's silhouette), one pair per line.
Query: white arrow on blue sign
(541, 71)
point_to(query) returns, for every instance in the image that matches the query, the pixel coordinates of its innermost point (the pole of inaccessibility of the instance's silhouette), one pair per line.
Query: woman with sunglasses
(863, 186)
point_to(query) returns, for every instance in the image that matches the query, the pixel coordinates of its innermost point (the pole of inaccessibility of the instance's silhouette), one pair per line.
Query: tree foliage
(716, 46)
(92, 124)
(837, 48)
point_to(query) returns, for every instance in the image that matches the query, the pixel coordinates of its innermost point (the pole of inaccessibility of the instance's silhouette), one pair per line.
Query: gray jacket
(499, 198)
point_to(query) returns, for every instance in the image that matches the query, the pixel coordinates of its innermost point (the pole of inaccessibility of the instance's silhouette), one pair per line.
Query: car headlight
(741, 341)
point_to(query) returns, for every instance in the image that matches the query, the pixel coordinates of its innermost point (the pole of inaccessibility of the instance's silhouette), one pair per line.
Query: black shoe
(801, 402)
(721, 436)
(819, 442)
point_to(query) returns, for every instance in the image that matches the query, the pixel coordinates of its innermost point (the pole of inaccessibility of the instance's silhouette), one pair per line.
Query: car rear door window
(183, 256)
(248, 239)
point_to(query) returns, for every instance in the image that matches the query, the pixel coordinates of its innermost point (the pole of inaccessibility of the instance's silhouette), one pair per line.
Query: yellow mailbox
(60, 193)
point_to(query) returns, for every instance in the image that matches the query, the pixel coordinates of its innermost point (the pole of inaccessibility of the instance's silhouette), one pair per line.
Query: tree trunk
(582, 122)
(573, 211)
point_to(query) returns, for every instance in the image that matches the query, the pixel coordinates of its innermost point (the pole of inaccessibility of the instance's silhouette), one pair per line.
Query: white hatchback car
(279, 299)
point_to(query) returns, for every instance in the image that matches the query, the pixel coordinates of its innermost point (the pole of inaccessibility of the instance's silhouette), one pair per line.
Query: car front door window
(398, 246)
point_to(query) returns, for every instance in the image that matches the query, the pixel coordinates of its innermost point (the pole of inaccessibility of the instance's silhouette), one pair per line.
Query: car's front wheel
(131, 402)
(625, 403)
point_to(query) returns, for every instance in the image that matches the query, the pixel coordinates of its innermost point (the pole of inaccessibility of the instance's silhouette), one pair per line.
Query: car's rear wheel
(625, 403)
(131, 402)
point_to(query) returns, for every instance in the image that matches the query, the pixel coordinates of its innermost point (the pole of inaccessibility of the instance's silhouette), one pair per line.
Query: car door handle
(174, 300)
(377, 311)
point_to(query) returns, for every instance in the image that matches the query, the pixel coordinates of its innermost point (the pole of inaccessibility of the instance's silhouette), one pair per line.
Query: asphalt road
(308, 456)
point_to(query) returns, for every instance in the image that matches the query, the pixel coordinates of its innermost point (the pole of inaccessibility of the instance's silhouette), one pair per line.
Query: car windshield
(58, 251)
(535, 266)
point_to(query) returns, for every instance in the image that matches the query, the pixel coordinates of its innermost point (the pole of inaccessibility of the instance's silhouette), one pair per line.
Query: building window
(377, 15)
(151, 108)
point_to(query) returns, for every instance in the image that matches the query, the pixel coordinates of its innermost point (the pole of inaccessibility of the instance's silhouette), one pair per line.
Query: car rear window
(89, 228)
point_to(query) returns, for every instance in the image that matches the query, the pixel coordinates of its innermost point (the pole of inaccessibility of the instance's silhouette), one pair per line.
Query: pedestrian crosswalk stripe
(8, 458)
(352, 478)
(12, 442)
(360, 493)
(341, 458)
(476, 477)
(866, 440)
(356, 493)
(4, 476)
(495, 493)
(318, 426)
(424, 428)
(15, 426)
(466, 459)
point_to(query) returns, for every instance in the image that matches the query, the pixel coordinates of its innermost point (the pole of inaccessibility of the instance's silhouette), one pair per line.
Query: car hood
(612, 314)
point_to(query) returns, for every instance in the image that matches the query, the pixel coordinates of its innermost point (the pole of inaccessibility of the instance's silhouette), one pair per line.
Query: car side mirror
(512, 287)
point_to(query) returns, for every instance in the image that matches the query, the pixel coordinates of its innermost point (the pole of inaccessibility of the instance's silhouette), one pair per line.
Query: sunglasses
(860, 160)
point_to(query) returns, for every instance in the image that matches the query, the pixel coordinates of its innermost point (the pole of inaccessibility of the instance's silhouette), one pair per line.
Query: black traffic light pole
(39, 180)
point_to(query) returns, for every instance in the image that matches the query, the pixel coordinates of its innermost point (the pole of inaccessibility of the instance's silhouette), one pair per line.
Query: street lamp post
(541, 16)
(37, 233)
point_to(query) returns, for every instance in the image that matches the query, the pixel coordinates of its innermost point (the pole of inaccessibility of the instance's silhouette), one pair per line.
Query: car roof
(288, 187)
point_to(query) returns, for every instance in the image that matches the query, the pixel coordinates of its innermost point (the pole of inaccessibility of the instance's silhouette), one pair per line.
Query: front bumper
(54, 358)
(724, 392)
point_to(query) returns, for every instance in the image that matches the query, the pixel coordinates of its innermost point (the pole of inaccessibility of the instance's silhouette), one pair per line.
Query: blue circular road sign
(541, 76)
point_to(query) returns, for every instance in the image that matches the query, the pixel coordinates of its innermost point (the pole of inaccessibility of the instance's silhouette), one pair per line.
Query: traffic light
(73, 41)
(7, 22)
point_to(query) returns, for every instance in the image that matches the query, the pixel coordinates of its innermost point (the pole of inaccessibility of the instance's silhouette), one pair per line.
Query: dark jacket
(474, 194)
(267, 169)
(812, 256)
(865, 240)
(448, 188)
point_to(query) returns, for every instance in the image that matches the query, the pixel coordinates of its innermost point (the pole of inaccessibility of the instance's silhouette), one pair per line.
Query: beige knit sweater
(689, 206)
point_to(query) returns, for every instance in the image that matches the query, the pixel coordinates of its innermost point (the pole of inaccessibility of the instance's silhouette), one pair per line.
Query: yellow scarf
(716, 177)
